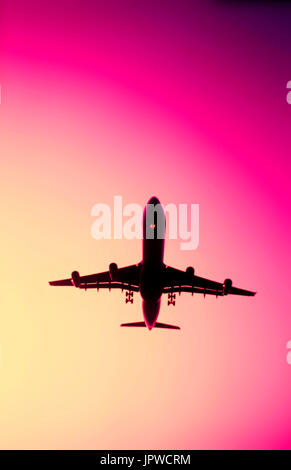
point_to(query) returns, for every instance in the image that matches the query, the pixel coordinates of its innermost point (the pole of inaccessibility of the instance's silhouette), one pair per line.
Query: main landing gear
(171, 299)
(129, 296)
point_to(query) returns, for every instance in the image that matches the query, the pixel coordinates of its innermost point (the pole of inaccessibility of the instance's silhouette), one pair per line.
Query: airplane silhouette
(151, 277)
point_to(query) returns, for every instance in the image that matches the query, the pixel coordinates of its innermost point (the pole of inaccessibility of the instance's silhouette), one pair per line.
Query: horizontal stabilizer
(157, 325)
(137, 323)
(164, 325)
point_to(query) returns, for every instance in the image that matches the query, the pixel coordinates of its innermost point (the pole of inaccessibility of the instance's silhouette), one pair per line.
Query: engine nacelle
(227, 286)
(113, 271)
(75, 276)
(190, 272)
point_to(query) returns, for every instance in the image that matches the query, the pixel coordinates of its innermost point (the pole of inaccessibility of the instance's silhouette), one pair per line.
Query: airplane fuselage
(152, 263)
(151, 277)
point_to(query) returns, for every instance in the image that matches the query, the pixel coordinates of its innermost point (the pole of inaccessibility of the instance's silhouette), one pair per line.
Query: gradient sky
(186, 101)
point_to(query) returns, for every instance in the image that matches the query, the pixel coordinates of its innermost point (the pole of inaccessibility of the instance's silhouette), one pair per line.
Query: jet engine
(190, 272)
(113, 271)
(75, 276)
(227, 286)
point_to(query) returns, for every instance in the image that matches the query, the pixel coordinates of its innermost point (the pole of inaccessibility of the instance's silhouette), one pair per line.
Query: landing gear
(171, 299)
(129, 296)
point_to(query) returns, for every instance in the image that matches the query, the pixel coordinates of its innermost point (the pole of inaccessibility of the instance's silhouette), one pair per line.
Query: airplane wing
(175, 280)
(118, 278)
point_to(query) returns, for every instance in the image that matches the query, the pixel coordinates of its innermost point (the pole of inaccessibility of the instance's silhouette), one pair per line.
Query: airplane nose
(154, 201)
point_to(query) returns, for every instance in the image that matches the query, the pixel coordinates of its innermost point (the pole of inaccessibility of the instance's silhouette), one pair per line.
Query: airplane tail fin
(157, 325)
